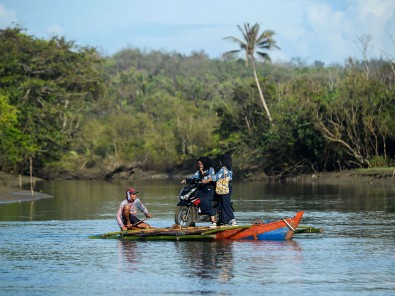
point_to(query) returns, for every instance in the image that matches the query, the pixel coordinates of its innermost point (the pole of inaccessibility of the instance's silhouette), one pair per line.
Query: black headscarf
(226, 161)
(206, 161)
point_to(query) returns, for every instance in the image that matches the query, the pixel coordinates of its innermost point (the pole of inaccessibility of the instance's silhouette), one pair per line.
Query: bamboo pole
(31, 176)
(150, 232)
(154, 236)
(308, 229)
(128, 232)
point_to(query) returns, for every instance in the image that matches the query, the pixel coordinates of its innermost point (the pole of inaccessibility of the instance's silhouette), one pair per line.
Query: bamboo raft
(276, 230)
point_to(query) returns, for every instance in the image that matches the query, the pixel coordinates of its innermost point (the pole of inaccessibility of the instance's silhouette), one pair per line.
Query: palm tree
(252, 40)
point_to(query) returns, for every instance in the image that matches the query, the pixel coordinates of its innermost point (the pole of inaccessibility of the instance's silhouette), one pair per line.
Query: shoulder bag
(222, 185)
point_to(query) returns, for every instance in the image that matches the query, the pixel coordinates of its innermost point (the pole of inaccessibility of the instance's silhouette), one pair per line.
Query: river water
(45, 247)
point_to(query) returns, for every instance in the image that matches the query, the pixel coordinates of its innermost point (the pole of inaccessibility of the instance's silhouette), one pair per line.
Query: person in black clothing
(226, 216)
(206, 190)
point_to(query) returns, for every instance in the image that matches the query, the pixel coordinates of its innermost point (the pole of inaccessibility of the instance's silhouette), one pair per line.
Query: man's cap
(131, 190)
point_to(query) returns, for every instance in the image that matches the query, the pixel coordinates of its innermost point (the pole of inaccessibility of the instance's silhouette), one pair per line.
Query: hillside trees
(72, 110)
(11, 139)
(292, 146)
(149, 117)
(49, 84)
(356, 118)
(326, 119)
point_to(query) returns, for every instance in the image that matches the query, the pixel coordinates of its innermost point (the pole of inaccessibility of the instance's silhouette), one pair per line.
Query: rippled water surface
(45, 247)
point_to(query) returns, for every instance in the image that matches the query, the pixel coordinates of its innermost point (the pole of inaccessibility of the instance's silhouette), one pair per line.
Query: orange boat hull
(277, 230)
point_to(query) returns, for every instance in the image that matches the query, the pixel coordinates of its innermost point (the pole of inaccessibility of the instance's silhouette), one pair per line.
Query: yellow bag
(222, 185)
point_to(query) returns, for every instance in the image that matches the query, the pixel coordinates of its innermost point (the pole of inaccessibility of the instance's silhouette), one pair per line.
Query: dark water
(45, 249)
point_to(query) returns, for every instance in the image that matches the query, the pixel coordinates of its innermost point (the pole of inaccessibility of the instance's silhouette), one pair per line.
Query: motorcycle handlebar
(193, 181)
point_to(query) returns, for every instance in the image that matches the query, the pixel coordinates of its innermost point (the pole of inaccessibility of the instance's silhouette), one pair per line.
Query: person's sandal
(233, 222)
(213, 225)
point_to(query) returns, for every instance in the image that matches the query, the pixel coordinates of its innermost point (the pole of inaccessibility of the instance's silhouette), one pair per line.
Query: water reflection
(202, 259)
(271, 253)
(208, 260)
(128, 251)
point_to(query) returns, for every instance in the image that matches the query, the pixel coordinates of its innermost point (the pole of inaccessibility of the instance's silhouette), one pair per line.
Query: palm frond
(231, 52)
(267, 34)
(264, 55)
(266, 41)
(236, 40)
(244, 33)
(254, 33)
(251, 40)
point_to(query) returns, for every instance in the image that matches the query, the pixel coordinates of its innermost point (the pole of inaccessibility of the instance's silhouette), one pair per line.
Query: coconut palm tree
(253, 43)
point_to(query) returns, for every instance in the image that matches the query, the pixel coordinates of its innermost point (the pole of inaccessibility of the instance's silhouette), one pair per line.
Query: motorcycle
(188, 211)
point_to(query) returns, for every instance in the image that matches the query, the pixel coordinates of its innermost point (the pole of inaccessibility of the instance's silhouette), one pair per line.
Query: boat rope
(290, 227)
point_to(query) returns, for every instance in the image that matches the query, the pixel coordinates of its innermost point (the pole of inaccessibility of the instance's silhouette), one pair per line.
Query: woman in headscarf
(226, 216)
(205, 190)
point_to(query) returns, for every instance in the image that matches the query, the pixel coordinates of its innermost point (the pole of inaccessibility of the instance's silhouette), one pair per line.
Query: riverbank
(10, 186)
(384, 176)
(11, 191)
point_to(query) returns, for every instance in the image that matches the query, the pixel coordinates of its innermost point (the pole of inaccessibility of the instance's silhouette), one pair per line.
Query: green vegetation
(45, 90)
(71, 109)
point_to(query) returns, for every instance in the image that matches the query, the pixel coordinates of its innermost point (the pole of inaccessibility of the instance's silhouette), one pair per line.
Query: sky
(309, 30)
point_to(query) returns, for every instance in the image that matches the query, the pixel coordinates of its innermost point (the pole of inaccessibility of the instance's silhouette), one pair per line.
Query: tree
(50, 84)
(355, 118)
(252, 40)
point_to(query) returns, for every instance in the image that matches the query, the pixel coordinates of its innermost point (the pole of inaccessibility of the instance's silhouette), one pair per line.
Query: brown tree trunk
(261, 93)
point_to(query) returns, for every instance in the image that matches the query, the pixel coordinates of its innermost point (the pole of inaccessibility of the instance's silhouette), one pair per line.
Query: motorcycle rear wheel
(185, 216)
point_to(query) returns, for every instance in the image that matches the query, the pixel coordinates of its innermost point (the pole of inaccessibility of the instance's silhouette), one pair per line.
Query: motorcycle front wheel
(185, 216)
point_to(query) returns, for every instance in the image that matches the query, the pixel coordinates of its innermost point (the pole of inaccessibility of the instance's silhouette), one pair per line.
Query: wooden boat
(277, 230)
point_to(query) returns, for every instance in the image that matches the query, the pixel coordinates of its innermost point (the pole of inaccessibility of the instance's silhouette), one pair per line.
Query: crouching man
(126, 215)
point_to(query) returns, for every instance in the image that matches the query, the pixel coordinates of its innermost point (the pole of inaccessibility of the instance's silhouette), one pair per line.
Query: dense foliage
(70, 109)
(45, 89)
